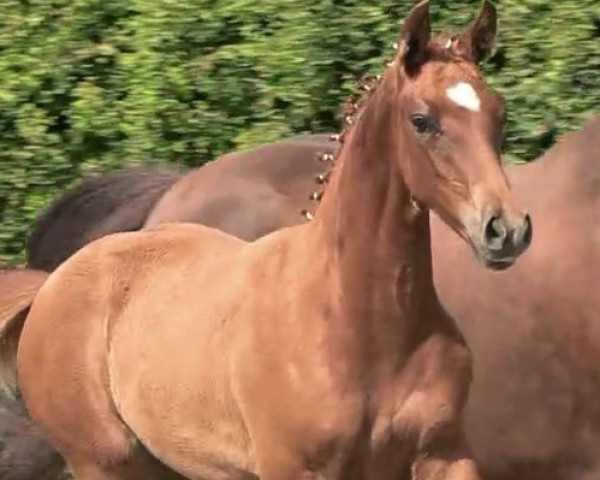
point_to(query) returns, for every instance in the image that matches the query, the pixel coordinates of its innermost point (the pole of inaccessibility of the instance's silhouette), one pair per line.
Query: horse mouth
(496, 264)
(492, 257)
(491, 261)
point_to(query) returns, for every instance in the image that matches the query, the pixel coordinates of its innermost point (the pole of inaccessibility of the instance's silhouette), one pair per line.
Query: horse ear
(478, 41)
(414, 38)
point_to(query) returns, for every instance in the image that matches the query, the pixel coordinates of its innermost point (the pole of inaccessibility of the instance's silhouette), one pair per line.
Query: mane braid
(442, 47)
(351, 109)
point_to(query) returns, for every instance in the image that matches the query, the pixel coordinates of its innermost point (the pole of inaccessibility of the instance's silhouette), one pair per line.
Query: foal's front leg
(443, 367)
(287, 460)
(446, 463)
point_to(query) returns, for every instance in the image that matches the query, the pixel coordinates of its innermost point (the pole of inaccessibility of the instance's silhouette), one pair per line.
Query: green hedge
(101, 84)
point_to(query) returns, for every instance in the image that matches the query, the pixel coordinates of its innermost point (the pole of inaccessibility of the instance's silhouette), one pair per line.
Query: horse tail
(18, 289)
(26, 454)
(96, 206)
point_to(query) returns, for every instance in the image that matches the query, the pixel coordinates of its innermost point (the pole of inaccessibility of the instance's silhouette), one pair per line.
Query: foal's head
(451, 127)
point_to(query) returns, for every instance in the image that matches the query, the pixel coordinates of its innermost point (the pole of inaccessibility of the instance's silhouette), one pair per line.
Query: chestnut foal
(317, 351)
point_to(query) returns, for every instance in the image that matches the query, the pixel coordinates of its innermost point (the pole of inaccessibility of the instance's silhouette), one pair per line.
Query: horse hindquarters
(63, 375)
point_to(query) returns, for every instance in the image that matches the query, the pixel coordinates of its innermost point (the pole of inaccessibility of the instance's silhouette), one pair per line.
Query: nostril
(495, 233)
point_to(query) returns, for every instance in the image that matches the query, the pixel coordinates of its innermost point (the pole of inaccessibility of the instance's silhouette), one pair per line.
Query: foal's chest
(369, 450)
(339, 433)
(378, 432)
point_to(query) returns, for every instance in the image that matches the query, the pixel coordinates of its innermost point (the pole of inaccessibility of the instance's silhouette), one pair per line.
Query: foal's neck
(377, 241)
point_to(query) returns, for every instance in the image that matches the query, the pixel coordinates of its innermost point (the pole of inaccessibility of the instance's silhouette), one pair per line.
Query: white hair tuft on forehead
(464, 95)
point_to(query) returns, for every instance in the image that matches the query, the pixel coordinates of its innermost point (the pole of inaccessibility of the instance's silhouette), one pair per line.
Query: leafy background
(104, 84)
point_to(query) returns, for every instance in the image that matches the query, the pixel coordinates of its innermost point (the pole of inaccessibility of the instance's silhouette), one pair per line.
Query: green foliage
(102, 84)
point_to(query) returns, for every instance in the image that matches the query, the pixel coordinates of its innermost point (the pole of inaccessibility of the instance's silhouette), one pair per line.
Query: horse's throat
(378, 242)
(376, 236)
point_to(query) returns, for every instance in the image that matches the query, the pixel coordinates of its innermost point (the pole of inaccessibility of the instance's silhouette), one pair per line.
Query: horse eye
(422, 123)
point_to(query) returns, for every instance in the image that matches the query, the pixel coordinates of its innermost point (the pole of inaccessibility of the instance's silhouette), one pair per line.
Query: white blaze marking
(464, 94)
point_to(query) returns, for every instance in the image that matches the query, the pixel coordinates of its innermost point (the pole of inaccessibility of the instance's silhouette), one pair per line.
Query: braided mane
(441, 48)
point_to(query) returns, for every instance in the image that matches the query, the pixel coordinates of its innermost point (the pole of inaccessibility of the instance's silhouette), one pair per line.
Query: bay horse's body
(320, 350)
(534, 330)
(273, 179)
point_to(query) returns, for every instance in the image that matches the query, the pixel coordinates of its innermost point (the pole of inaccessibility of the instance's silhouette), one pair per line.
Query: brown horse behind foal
(96, 206)
(320, 350)
(248, 194)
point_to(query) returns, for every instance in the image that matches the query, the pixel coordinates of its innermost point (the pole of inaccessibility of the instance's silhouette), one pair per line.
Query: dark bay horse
(247, 194)
(251, 193)
(319, 350)
(96, 206)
